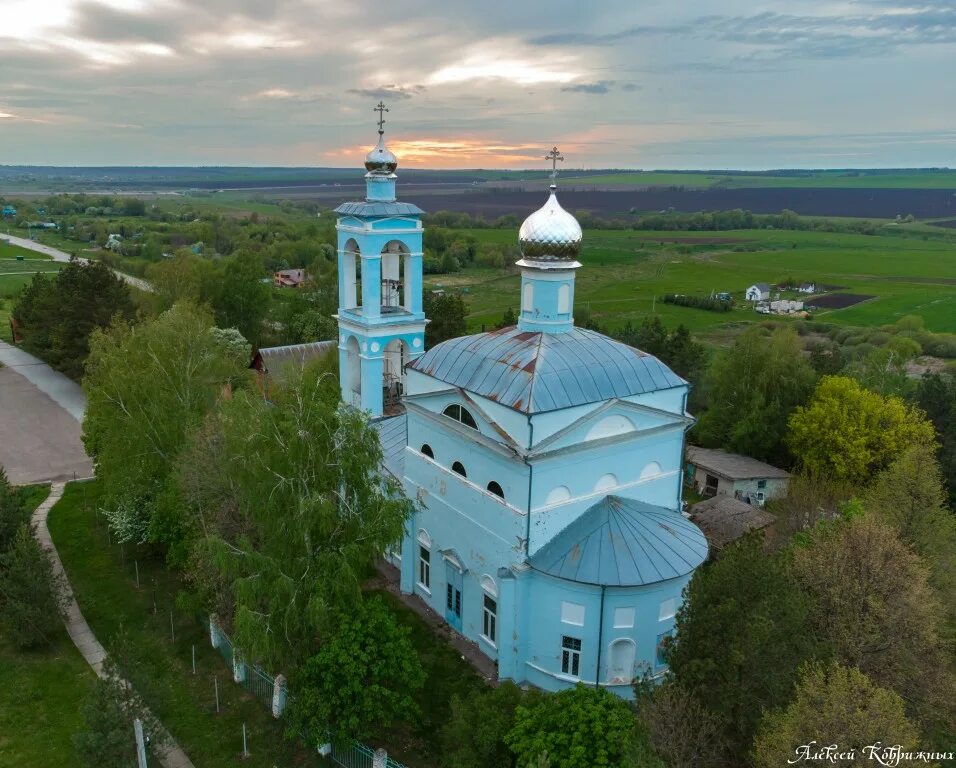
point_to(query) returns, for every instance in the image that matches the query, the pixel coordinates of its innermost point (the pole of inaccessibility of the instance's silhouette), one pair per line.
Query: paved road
(168, 751)
(40, 415)
(63, 256)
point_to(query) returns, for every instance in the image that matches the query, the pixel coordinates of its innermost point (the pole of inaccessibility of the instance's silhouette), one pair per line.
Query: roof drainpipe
(527, 532)
(597, 672)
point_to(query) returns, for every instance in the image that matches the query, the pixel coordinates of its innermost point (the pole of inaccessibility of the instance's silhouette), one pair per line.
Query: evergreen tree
(29, 592)
(937, 397)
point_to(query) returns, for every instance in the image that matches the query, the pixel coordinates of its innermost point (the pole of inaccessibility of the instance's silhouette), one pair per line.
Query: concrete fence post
(380, 758)
(238, 668)
(214, 630)
(278, 696)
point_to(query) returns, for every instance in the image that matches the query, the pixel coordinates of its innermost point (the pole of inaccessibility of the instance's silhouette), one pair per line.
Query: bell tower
(380, 317)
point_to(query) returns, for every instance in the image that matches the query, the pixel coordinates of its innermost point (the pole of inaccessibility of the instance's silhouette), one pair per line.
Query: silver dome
(381, 160)
(550, 233)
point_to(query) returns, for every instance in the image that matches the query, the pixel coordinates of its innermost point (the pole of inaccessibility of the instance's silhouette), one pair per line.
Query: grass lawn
(41, 692)
(103, 579)
(625, 272)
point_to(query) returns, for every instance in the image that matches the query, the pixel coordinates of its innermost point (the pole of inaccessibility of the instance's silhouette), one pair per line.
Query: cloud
(490, 67)
(394, 92)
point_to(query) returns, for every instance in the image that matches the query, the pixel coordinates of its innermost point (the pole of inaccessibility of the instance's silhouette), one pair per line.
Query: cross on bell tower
(554, 155)
(381, 109)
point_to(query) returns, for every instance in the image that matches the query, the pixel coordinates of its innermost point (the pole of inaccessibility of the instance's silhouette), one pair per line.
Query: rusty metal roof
(535, 372)
(622, 542)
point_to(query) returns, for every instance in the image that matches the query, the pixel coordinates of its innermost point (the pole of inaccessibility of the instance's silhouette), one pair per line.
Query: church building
(544, 459)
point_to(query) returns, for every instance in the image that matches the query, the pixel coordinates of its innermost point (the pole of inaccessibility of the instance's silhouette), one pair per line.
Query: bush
(578, 726)
(698, 302)
(363, 679)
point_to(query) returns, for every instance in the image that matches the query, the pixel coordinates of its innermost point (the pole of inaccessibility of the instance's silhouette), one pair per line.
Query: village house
(545, 459)
(289, 278)
(807, 288)
(715, 472)
(269, 362)
(758, 292)
(114, 243)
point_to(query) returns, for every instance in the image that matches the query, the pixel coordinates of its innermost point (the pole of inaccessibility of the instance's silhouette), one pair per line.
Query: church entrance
(453, 582)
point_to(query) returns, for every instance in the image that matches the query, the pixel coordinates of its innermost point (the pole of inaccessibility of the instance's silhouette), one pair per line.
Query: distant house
(807, 288)
(714, 472)
(758, 292)
(724, 519)
(9, 210)
(41, 225)
(269, 362)
(114, 243)
(289, 278)
(786, 306)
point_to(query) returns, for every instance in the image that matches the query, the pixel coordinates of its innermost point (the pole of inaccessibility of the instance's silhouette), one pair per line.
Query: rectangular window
(490, 619)
(572, 613)
(623, 618)
(662, 642)
(571, 656)
(761, 484)
(424, 567)
(667, 610)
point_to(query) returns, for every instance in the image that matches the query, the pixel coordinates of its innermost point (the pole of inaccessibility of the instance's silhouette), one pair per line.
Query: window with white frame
(667, 610)
(571, 655)
(489, 618)
(424, 560)
(461, 415)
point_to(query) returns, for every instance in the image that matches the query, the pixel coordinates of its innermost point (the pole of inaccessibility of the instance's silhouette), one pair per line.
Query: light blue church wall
(547, 300)
(549, 609)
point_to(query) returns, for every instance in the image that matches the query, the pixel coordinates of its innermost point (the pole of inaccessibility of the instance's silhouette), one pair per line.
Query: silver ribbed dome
(381, 160)
(550, 233)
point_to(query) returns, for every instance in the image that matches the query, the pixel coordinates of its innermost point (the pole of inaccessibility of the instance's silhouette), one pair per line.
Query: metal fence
(262, 685)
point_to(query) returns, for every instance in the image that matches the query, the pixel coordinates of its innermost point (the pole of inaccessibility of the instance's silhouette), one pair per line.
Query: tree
(12, 513)
(294, 508)
(811, 497)
(29, 592)
(239, 297)
(682, 731)
(107, 739)
(750, 392)
(363, 679)
(834, 704)
(179, 278)
(577, 726)
(57, 317)
(937, 397)
(741, 637)
(446, 311)
(148, 386)
(873, 608)
(474, 734)
(508, 320)
(850, 433)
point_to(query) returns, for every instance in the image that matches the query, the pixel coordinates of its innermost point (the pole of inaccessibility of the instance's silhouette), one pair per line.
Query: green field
(16, 274)
(868, 179)
(625, 272)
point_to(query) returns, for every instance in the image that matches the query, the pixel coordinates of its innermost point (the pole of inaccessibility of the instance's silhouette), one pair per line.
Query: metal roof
(724, 519)
(621, 542)
(379, 209)
(733, 466)
(393, 436)
(534, 372)
(275, 357)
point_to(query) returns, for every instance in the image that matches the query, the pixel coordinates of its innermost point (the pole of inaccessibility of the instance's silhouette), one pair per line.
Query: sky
(489, 84)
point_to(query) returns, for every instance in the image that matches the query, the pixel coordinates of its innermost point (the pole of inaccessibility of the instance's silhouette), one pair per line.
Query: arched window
(564, 299)
(496, 489)
(459, 468)
(527, 300)
(558, 495)
(651, 470)
(620, 666)
(426, 450)
(605, 482)
(489, 610)
(424, 559)
(459, 414)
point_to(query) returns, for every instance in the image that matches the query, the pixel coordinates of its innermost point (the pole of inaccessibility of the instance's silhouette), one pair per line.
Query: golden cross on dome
(554, 156)
(381, 109)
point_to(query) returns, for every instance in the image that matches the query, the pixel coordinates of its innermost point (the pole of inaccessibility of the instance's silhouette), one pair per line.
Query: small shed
(807, 288)
(269, 361)
(724, 520)
(758, 292)
(715, 472)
